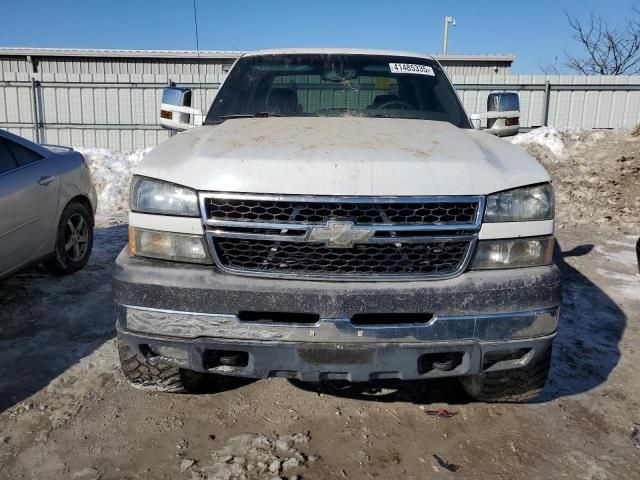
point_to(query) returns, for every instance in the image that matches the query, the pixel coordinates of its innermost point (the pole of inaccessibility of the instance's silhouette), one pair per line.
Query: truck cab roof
(337, 51)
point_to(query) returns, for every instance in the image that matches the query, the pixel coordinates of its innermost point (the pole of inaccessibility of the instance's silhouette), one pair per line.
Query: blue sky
(535, 30)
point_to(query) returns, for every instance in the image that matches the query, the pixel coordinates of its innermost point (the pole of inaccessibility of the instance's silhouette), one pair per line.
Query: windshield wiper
(250, 115)
(399, 117)
(381, 115)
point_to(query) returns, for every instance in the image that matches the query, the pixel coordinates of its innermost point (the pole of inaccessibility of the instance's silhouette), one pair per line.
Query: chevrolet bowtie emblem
(337, 234)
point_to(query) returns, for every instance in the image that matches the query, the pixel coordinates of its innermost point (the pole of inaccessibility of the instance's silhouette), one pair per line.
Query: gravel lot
(67, 413)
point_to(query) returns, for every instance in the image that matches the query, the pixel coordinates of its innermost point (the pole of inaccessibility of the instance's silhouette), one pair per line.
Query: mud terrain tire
(157, 377)
(517, 386)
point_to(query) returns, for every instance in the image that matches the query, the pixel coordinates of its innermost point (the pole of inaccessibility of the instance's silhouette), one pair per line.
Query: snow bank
(595, 173)
(548, 137)
(558, 141)
(111, 174)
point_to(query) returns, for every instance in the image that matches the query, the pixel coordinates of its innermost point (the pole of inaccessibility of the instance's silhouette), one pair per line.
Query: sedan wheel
(74, 240)
(76, 236)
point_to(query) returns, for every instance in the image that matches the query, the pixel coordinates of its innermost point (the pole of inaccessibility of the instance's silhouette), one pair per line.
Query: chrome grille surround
(318, 234)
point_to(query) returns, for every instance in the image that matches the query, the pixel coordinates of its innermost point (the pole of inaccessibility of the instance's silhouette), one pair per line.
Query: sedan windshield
(328, 85)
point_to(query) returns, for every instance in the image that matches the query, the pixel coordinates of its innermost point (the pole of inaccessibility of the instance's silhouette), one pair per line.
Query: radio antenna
(195, 23)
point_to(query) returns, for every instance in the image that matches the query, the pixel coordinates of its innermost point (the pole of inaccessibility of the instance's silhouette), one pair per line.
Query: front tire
(518, 385)
(157, 377)
(74, 240)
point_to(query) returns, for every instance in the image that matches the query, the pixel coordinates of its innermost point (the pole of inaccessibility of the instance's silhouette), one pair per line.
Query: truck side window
(23, 155)
(6, 159)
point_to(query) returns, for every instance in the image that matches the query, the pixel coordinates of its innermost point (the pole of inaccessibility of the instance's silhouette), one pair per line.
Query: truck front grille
(254, 210)
(316, 259)
(342, 237)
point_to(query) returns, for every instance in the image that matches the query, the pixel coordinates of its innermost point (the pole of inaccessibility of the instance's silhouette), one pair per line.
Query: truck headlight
(178, 247)
(156, 196)
(521, 205)
(513, 253)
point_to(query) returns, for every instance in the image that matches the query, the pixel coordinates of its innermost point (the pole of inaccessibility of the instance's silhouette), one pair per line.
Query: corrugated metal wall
(477, 69)
(109, 100)
(100, 110)
(117, 65)
(573, 100)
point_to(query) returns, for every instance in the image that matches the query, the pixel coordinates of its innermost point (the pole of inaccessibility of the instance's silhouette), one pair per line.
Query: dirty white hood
(341, 156)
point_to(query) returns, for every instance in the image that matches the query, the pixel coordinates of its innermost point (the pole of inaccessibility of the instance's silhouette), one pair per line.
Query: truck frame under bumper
(201, 319)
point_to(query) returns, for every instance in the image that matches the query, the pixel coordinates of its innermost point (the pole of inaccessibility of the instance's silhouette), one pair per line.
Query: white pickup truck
(337, 217)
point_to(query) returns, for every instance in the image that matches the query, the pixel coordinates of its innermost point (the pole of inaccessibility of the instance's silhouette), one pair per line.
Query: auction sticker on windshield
(411, 68)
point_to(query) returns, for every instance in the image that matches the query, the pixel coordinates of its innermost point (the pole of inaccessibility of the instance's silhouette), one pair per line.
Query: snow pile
(558, 142)
(596, 173)
(256, 457)
(544, 137)
(111, 175)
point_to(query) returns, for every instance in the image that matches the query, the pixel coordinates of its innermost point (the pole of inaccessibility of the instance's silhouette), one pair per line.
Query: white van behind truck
(337, 217)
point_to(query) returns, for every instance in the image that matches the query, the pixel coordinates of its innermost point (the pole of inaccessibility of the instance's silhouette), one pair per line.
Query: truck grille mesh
(316, 259)
(428, 213)
(342, 237)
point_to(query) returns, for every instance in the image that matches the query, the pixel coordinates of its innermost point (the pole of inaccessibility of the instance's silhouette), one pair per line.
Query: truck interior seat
(283, 101)
(382, 99)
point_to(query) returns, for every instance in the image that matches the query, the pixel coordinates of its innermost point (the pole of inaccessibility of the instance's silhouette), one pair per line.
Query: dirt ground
(66, 411)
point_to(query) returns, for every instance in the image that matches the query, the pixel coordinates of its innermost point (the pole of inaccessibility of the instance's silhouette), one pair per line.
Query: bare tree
(607, 49)
(552, 68)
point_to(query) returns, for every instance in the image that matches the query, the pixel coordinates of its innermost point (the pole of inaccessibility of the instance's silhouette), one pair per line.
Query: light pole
(447, 20)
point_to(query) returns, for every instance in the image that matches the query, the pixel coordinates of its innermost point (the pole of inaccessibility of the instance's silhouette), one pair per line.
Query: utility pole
(447, 20)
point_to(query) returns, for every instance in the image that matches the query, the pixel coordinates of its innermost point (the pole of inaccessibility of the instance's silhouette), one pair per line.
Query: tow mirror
(175, 110)
(503, 114)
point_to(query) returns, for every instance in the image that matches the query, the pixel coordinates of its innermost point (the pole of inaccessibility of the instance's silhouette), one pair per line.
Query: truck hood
(341, 156)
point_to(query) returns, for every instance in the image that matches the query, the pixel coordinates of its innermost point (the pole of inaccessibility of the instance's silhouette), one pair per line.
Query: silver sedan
(47, 206)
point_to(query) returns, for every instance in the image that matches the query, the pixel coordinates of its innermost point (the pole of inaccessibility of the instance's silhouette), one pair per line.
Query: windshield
(338, 85)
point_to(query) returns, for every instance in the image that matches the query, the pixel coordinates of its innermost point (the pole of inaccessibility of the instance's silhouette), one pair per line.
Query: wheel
(156, 377)
(516, 385)
(74, 240)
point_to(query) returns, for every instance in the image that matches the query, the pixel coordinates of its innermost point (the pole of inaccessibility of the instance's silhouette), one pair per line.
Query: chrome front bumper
(191, 325)
(334, 349)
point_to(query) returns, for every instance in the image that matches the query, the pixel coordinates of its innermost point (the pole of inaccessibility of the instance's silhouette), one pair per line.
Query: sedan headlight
(521, 205)
(178, 247)
(156, 196)
(513, 253)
